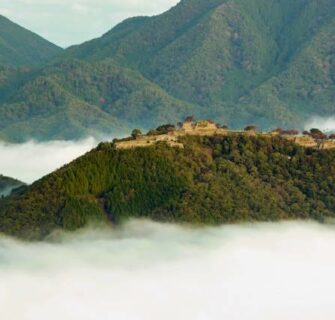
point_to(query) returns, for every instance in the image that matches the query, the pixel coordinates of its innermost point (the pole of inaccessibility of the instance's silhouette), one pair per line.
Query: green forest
(20, 47)
(213, 180)
(266, 62)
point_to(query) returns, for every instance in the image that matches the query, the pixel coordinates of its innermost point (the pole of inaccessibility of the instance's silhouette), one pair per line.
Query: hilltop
(21, 47)
(211, 180)
(171, 135)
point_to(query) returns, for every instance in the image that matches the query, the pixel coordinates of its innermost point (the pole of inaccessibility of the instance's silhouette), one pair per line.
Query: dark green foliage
(8, 184)
(135, 133)
(74, 99)
(165, 128)
(77, 213)
(213, 180)
(20, 47)
(250, 128)
(266, 62)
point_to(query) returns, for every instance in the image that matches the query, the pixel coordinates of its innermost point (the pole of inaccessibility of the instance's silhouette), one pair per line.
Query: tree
(316, 131)
(250, 128)
(189, 119)
(317, 134)
(152, 132)
(135, 133)
(166, 128)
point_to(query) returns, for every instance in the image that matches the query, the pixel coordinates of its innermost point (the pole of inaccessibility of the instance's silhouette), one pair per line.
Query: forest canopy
(213, 180)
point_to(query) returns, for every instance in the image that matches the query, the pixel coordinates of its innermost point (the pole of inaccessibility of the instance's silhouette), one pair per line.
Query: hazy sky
(67, 22)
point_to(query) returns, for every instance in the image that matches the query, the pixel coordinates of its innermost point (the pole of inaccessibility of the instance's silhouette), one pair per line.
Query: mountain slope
(73, 99)
(264, 61)
(21, 47)
(267, 62)
(213, 180)
(8, 184)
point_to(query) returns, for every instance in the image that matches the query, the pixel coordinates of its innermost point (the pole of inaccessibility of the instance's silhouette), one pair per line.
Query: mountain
(8, 184)
(72, 99)
(267, 62)
(212, 180)
(21, 47)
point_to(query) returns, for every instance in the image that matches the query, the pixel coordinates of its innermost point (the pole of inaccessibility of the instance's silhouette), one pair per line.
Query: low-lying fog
(149, 271)
(32, 160)
(324, 124)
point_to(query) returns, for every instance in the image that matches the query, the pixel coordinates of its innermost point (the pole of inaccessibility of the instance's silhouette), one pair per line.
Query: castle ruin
(209, 128)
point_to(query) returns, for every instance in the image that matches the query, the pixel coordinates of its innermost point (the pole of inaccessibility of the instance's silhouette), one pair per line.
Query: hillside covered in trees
(266, 62)
(8, 184)
(72, 99)
(21, 47)
(212, 180)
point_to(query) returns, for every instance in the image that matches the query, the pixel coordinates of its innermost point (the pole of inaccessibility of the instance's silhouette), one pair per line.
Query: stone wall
(147, 141)
(201, 128)
(328, 144)
(305, 141)
(310, 142)
(209, 128)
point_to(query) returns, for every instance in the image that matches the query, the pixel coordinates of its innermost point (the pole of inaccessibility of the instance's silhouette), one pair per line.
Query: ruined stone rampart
(328, 144)
(147, 141)
(209, 128)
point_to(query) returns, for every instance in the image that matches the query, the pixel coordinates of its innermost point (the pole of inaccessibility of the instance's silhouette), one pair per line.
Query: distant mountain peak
(266, 62)
(21, 47)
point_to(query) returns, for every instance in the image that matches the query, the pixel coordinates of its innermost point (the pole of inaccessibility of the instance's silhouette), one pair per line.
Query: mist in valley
(145, 270)
(6, 192)
(30, 161)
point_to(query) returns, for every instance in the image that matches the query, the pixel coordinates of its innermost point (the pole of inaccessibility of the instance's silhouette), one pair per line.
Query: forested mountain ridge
(263, 61)
(72, 99)
(21, 47)
(212, 180)
(266, 62)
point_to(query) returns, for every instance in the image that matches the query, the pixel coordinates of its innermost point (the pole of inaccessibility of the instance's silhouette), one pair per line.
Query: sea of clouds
(143, 270)
(32, 160)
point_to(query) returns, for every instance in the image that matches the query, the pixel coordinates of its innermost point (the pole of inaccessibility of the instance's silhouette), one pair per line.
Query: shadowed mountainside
(8, 184)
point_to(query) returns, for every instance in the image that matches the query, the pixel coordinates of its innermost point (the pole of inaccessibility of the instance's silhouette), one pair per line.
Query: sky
(69, 22)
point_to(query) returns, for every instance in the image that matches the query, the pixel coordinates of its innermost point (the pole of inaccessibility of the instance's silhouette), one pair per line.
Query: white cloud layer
(68, 22)
(32, 160)
(149, 271)
(324, 124)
